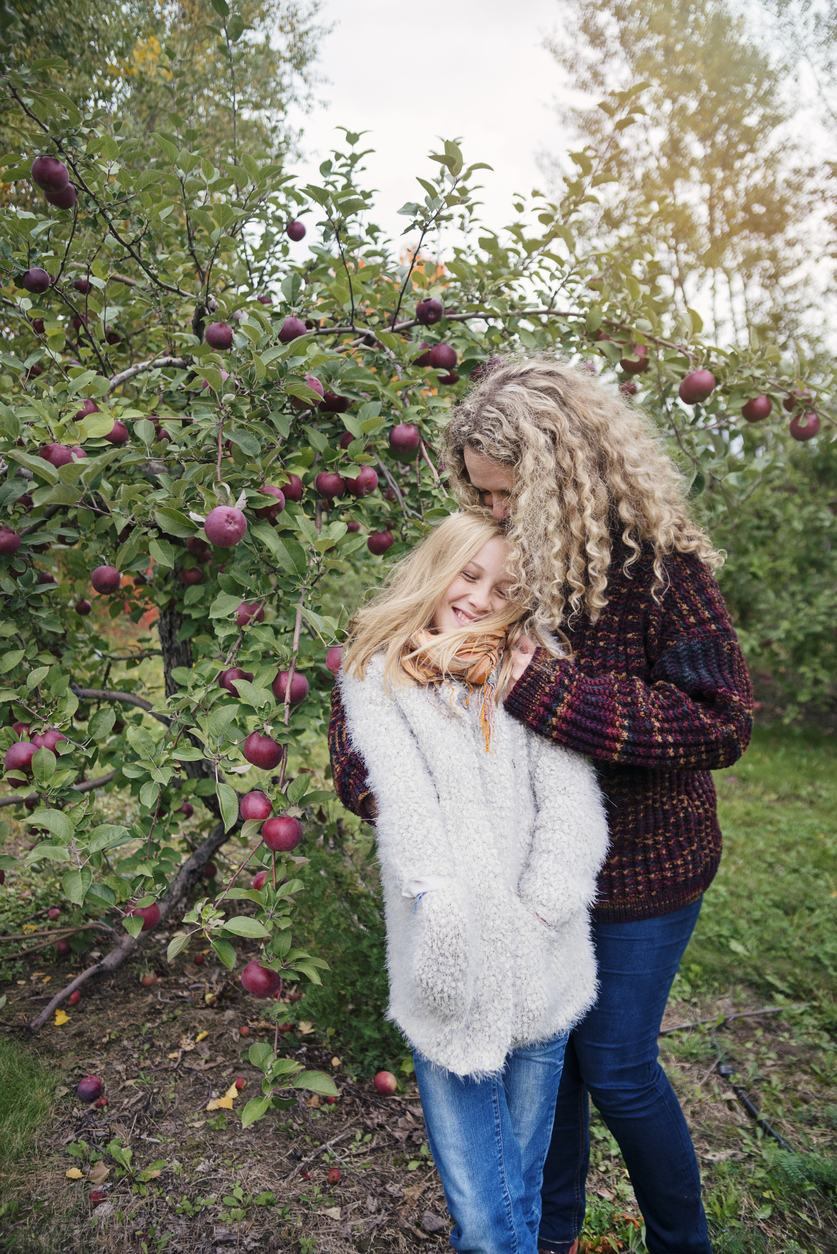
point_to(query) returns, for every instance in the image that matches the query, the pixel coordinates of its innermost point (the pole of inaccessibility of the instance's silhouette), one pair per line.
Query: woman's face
(493, 481)
(479, 589)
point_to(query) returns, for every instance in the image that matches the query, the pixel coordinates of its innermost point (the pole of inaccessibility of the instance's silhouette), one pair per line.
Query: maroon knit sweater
(658, 695)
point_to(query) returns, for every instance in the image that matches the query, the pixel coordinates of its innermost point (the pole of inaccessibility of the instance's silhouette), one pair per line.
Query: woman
(657, 694)
(489, 840)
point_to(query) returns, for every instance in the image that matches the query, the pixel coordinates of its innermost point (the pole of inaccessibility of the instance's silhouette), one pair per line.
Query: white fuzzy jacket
(492, 840)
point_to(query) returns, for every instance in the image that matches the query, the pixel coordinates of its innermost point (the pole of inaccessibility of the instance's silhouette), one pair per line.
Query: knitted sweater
(473, 845)
(658, 695)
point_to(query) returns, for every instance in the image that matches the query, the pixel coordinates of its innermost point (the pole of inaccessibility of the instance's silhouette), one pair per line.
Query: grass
(27, 1096)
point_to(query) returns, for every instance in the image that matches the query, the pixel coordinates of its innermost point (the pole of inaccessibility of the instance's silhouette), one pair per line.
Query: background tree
(708, 170)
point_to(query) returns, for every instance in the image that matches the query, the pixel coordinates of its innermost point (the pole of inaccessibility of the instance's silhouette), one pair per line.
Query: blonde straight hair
(408, 601)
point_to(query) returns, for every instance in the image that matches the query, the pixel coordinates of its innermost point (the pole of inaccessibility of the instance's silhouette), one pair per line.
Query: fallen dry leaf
(98, 1173)
(333, 1212)
(225, 1102)
(304, 1029)
(335, 1062)
(75, 1174)
(46, 979)
(201, 1036)
(151, 1175)
(185, 1043)
(175, 1055)
(313, 1100)
(60, 1018)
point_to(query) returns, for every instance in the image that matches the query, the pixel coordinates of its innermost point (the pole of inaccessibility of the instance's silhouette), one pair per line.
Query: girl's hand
(523, 650)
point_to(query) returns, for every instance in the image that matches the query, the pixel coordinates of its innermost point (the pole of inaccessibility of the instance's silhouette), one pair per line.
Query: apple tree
(221, 399)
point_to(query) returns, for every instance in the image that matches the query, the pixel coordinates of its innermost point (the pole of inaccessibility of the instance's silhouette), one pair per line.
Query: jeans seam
(498, 1132)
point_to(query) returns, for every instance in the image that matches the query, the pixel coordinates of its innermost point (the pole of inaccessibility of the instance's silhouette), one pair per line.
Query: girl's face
(479, 589)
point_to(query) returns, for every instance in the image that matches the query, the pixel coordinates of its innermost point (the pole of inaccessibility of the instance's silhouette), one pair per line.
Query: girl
(489, 840)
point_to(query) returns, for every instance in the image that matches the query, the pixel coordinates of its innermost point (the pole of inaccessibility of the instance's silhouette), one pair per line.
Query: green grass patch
(27, 1096)
(769, 919)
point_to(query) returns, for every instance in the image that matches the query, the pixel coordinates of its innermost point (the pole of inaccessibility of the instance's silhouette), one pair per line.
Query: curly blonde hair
(588, 469)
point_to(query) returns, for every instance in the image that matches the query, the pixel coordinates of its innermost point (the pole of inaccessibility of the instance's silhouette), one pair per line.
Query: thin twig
(129, 698)
(87, 786)
(742, 1014)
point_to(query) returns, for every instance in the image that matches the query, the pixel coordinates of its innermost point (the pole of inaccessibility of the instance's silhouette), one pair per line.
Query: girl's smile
(480, 589)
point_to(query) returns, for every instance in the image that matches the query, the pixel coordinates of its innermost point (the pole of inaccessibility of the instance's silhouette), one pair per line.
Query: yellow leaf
(225, 1102)
(304, 1029)
(29, 927)
(201, 1036)
(46, 979)
(61, 1017)
(335, 1062)
(175, 1055)
(313, 1100)
(333, 1212)
(75, 1174)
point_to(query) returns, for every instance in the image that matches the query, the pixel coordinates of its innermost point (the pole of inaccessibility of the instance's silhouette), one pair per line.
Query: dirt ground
(192, 1182)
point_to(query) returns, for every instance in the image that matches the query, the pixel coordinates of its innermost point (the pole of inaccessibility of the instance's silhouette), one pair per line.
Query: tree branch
(86, 786)
(129, 698)
(157, 363)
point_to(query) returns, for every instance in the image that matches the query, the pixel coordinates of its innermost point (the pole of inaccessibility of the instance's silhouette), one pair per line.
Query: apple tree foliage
(164, 249)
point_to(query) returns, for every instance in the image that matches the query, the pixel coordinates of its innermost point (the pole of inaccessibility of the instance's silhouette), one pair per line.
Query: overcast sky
(409, 74)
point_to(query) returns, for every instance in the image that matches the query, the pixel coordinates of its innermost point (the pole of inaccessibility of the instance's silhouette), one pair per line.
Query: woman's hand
(523, 650)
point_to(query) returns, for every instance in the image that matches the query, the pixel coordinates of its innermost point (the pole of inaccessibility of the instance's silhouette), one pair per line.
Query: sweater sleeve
(691, 711)
(570, 837)
(347, 765)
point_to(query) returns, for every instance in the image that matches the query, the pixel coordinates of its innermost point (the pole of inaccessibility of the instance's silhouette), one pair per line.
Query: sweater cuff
(540, 689)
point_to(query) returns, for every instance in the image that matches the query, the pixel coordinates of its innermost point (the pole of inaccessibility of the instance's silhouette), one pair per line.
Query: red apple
(101, 1103)
(187, 809)
(314, 384)
(118, 434)
(696, 387)
(210, 871)
(112, 337)
(259, 880)
(83, 607)
(352, 525)
(429, 311)
(629, 388)
(448, 380)
(64, 199)
(50, 174)
(255, 805)
(262, 751)
(379, 542)
(282, 833)
(148, 979)
(56, 454)
(292, 328)
(366, 482)
(334, 1175)
(54, 912)
(333, 658)
(805, 426)
(332, 403)
(757, 408)
(192, 576)
(295, 230)
(38, 325)
(346, 439)
(790, 403)
(404, 439)
(271, 512)
(82, 285)
(265, 298)
(150, 915)
(442, 357)
(19, 757)
(293, 489)
(22, 730)
(329, 485)
(106, 579)
(249, 612)
(90, 1088)
(219, 335)
(62, 948)
(227, 678)
(244, 1030)
(423, 358)
(9, 541)
(75, 997)
(225, 526)
(299, 687)
(35, 281)
(199, 549)
(385, 1083)
(260, 981)
(240, 1083)
(88, 407)
(97, 1196)
(636, 367)
(198, 960)
(48, 739)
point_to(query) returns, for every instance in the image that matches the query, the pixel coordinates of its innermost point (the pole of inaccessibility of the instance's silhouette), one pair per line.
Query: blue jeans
(612, 1056)
(489, 1139)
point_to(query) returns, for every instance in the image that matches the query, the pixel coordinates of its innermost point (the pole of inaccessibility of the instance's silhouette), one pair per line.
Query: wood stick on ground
(187, 876)
(742, 1014)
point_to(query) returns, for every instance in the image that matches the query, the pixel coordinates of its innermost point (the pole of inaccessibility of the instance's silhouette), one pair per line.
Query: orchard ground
(766, 940)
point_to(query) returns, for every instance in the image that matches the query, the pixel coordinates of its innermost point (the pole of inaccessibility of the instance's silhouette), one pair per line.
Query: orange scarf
(477, 665)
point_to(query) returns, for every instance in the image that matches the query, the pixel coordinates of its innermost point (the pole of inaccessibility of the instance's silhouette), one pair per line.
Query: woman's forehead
(487, 474)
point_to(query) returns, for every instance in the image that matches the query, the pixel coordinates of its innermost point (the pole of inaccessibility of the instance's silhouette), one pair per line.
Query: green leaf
(174, 522)
(225, 952)
(76, 883)
(133, 924)
(257, 697)
(101, 724)
(187, 753)
(264, 532)
(149, 793)
(55, 853)
(259, 1054)
(316, 1082)
(162, 552)
(243, 926)
(593, 320)
(257, 1107)
(140, 740)
(177, 943)
(296, 788)
(107, 836)
(122, 1154)
(43, 766)
(10, 660)
(291, 555)
(36, 676)
(56, 823)
(228, 802)
(224, 604)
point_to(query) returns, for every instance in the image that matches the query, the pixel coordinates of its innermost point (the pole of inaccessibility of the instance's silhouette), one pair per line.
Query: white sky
(411, 73)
